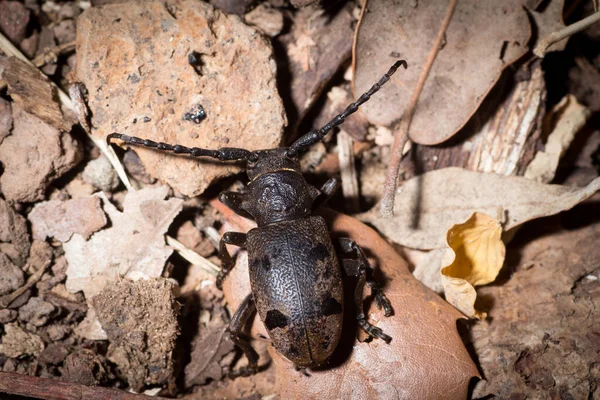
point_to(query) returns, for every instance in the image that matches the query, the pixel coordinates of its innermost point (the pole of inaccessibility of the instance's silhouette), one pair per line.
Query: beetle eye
(253, 158)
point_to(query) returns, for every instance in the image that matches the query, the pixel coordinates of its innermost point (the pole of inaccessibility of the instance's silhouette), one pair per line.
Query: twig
(401, 130)
(33, 279)
(11, 50)
(51, 55)
(348, 171)
(52, 389)
(193, 257)
(543, 45)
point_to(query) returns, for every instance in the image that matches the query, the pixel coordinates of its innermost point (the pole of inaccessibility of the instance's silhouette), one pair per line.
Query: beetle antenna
(223, 154)
(315, 136)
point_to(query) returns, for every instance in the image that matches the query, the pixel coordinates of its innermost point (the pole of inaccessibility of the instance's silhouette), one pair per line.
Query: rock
(5, 119)
(133, 59)
(33, 156)
(232, 6)
(55, 353)
(14, 18)
(266, 18)
(100, 174)
(61, 219)
(11, 276)
(37, 311)
(16, 342)
(7, 316)
(14, 238)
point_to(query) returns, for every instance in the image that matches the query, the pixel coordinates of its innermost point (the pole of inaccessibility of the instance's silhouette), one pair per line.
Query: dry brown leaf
(61, 219)
(570, 118)
(478, 253)
(428, 205)
(425, 359)
(133, 246)
(133, 60)
(482, 39)
(548, 18)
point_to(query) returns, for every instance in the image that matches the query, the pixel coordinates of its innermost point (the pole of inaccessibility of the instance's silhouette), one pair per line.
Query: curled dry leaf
(61, 219)
(478, 253)
(428, 205)
(482, 39)
(133, 59)
(425, 359)
(133, 246)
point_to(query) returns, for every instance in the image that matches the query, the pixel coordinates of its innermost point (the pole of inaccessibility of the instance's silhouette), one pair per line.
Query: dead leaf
(478, 253)
(428, 205)
(570, 118)
(136, 55)
(482, 39)
(61, 219)
(425, 359)
(548, 18)
(133, 246)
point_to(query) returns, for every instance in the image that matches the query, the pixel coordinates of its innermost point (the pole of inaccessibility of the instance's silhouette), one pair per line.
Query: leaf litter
(41, 306)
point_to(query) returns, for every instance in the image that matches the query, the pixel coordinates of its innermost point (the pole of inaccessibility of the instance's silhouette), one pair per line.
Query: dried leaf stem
(542, 47)
(33, 279)
(44, 388)
(401, 129)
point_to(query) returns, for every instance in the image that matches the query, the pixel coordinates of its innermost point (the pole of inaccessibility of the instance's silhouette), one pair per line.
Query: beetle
(295, 277)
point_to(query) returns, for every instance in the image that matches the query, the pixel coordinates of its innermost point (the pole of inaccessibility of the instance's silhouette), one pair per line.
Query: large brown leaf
(425, 359)
(483, 38)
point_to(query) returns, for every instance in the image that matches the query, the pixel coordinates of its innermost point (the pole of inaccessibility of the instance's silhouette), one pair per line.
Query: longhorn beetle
(295, 277)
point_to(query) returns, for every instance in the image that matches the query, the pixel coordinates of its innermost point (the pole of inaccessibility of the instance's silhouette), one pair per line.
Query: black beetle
(295, 276)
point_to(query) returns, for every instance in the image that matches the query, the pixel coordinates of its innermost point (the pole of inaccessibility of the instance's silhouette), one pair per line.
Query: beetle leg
(227, 263)
(238, 321)
(234, 201)
(360, 269)
(327, 191)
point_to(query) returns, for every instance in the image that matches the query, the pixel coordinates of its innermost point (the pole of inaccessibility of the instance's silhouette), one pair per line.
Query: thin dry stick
(401, 130)
(542, 47)
(9, 49)
(51, 55)
(44, 388)
(33, 279)
(192, 257)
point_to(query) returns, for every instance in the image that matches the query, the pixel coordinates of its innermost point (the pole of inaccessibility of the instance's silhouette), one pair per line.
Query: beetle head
(262, 162)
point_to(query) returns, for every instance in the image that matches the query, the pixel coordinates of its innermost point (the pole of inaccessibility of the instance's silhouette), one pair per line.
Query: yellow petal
(478, 257)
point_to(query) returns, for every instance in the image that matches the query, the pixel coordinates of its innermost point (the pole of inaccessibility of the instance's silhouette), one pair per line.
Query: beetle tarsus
(302, 370)
(381, 300)
(372, 330)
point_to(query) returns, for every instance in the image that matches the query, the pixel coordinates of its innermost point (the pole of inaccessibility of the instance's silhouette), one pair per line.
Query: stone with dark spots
(319, 253)
(331, 306)
(276, 319)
